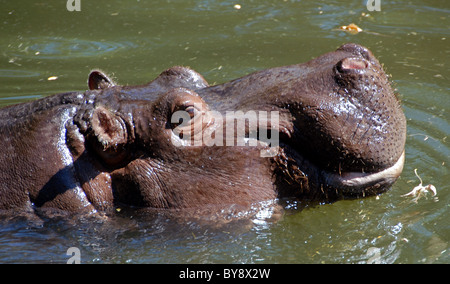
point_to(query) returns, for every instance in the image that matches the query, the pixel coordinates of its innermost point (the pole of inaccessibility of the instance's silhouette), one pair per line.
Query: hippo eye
(191, 110)
(187, 114)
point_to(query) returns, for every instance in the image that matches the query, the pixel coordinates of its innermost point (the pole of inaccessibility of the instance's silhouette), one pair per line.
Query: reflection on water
(11, 73)
(136, 40)
(64, 48)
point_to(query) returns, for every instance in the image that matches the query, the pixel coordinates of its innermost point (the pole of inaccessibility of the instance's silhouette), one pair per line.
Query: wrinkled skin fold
(340, 134)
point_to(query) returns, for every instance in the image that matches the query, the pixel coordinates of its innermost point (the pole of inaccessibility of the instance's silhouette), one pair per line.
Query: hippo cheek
(138, 185)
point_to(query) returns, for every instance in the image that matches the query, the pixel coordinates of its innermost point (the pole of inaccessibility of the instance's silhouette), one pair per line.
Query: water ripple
(62, 48)
(10, 73)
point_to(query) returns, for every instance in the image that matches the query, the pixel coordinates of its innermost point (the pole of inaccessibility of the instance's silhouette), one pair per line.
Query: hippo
(339, 128)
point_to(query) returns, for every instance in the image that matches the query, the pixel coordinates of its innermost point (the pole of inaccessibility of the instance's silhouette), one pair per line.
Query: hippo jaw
(356, 184)
(298, 177)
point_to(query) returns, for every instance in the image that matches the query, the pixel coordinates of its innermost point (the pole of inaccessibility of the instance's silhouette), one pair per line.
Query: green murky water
(135, 40)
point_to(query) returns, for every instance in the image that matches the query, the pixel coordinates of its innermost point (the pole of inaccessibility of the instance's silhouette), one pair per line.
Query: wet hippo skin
(341, 134)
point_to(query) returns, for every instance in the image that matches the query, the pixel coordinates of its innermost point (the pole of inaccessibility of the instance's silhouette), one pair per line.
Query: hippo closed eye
(324, 130)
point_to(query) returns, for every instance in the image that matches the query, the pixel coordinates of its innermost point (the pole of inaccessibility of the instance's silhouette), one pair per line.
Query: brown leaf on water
(352, 28)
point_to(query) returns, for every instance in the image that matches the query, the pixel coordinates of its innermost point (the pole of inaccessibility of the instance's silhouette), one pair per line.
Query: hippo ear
(110, 136)
(99, 80)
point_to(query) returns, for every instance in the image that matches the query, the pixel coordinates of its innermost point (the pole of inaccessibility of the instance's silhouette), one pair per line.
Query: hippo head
(336, 131)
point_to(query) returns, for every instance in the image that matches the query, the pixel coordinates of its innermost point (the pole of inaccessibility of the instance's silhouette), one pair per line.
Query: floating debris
(352, 28)
(237, 7)
(420, 190)
(52, 78)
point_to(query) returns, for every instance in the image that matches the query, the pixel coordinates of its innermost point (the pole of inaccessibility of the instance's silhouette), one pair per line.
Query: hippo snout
(349, 131)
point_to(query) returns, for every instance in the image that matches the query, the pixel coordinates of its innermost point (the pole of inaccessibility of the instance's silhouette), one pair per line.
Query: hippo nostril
(353, 63)
(356, 49)
(348, 64)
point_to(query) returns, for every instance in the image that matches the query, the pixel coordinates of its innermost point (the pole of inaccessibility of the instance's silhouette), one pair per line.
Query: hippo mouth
(356, 184)
(305, 178)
